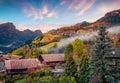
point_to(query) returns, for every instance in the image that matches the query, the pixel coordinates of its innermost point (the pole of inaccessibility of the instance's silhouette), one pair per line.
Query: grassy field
(20, 81)
(47, 38)
(46, 47)
(18, 51)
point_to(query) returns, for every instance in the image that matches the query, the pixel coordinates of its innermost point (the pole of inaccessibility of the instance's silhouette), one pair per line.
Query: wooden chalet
(7, 57)
(21, 66)
(52, 60)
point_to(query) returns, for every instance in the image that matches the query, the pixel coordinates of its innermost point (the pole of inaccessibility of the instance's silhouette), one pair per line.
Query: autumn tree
(34, 51)
(68, 51)
(78, 47)
(27, 51)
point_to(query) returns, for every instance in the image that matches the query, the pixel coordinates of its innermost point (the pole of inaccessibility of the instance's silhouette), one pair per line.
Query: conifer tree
(84, 68)
(70, 66)
(104, 47)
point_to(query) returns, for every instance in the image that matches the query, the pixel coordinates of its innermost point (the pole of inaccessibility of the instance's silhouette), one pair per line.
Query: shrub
(2, 76)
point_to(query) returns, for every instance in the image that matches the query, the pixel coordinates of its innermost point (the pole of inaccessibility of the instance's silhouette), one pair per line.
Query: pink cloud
(36, 13)
(86, 7)
(51, 14)
(105, 7)
(63, 2)
(43, 27)
(77, 4)
(71, 6)
(30, 10)
(45, 9)
(80, 4)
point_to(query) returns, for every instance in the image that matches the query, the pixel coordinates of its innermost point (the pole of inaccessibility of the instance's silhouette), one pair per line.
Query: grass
(18, 51)
(21, 81)
(46, 47)
(47, 38)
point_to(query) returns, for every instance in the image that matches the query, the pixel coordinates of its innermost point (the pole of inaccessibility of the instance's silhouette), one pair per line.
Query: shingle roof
(52, 57)
(11, 57)
(22, 64)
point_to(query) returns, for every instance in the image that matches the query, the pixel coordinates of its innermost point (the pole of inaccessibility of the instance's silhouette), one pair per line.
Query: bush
(17, 77)
(2, 76)
(67, 79)
(63, 79)
(46, 78)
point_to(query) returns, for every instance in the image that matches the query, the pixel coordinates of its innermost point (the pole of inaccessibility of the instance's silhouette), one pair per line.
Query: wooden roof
(22, 64)
(53, 57)
(7, 57)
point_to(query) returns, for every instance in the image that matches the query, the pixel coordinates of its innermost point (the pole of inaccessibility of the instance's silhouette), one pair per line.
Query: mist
(114, 30)
(65, 41)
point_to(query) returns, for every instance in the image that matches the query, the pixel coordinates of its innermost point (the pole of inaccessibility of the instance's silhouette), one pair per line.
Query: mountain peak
(9, 35)
(84, 23)
(112, 17)
(27, 30)
(8, 25)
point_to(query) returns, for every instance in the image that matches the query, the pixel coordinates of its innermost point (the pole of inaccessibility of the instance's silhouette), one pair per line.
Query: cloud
(70, 6)
(45, 9)
(76, 4)
(80, 4)
(39, 13)
(36, 13)
(51, 14)
(105, 7)
(43, 27)
(30, 10)
(102, 8)
(63, 2)
(86, 7)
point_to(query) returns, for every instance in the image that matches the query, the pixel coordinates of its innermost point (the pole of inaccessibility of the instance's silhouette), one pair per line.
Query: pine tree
(103, 48)
(84, 68)
(70, 66)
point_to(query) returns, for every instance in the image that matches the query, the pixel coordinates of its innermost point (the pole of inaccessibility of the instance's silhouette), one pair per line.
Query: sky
(52, 14)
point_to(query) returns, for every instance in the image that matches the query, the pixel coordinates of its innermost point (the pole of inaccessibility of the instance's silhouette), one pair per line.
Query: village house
(7, 57)
(52, 60)
(21, 66)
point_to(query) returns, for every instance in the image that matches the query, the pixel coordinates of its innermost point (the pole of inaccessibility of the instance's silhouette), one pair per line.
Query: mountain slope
(109, 19)
(112, 17)
(47, 40)
(11, 38)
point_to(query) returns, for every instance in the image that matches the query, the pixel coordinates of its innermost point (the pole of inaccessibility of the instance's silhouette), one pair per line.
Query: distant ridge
(11, 38)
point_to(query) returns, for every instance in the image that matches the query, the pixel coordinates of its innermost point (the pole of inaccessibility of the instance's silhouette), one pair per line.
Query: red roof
(22, 64)
(11, 57)
(52, 57)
